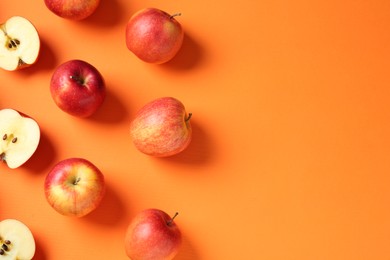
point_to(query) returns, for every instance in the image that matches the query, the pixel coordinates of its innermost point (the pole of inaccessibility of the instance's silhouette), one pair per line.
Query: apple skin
(152, 235)
(74, 187)
(154, 36)
(77, 88)
(72, 9)
(161, 128)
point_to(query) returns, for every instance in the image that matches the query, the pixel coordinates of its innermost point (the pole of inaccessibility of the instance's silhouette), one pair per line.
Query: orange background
(290, 157)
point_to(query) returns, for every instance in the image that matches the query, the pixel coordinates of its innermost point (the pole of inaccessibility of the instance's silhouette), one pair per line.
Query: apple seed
(7, 242)
(14, 140)
(1, 252)
(5, 137)
(13, 43)
(4, 247)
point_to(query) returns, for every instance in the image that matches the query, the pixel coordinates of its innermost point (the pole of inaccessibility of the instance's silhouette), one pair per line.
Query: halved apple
(19, 43)
(19, 137)
(16, 240)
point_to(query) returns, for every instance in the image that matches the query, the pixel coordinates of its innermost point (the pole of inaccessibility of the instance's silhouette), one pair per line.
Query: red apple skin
(74, 187)
(152, 235)
(154, 36)
(78, 88)
(161, 128)
(72, 9)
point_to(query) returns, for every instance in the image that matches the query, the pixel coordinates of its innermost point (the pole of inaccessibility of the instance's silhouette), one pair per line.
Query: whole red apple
(74, 187)
(152, 235)
(161, 128)
(153, 35)
(72, 9)
(77, 88)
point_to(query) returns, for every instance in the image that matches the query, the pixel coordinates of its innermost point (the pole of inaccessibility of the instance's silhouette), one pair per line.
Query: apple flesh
(72, 9)
(152, 235)
(154, 36)
(77, 88)
(16, 240)
(161, 128)
(19, 44)
(74, 187)
(20, 137)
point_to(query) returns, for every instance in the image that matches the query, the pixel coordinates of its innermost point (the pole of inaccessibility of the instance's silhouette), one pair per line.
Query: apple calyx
(169, 222)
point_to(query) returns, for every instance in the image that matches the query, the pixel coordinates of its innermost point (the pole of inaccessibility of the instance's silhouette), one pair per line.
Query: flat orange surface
(290, 157)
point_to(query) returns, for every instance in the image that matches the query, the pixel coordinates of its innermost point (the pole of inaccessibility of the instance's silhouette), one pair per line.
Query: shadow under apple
(107, 14)
(43, 156)
(199, 152)
(46, 61)
(112, 110)
(39, 250)
(187, 251)
(189, 56)
(110, 211)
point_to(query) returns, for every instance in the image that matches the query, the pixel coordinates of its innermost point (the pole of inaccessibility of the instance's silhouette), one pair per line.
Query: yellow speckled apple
(152, 235)
(161, 128)
(154, 36)
(74, 187)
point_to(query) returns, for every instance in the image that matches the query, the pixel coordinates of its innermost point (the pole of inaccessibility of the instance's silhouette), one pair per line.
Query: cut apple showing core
(19, 137)
(16, 241)
(19, 43)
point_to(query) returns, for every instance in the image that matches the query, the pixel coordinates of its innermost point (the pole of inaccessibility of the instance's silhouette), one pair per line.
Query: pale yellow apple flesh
(19, 137)
(19, 43)
(16, 240)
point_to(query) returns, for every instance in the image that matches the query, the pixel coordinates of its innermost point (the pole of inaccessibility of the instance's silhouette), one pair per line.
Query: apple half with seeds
(16, 240)
(19, 137)
(19, 43)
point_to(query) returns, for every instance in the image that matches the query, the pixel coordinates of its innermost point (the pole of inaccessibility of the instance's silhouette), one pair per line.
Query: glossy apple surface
(77, 88)
(152, 235)
(74, 187)
(19, 44)
(20, 136)
(72, 9)
(161, 128)
(16, 240)
(154, 36)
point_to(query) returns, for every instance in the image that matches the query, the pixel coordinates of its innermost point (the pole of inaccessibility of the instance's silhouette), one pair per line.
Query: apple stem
(188, 117)
(171, 220)
(76, 181)
(77, 79)
(174, 15)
